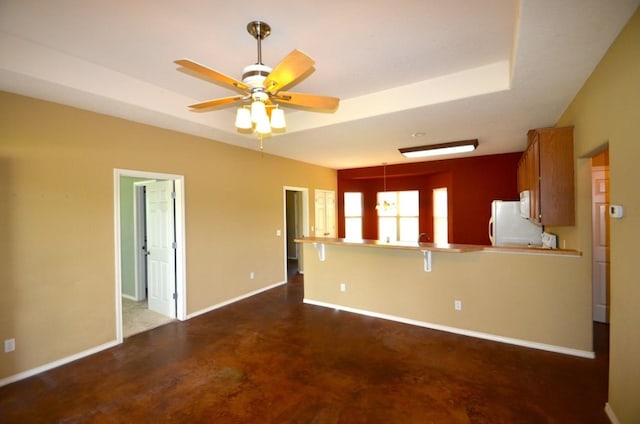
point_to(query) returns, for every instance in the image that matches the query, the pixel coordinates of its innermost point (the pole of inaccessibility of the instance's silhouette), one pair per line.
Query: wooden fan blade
(210, 73)
(308, 100)
(216, 102)
(288, 70)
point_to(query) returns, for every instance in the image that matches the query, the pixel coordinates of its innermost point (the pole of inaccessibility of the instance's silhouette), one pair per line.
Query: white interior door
(325, 211)
(600, 196)
(161, 259)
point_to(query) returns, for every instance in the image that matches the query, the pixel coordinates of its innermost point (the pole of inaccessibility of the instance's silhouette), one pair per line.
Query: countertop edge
(533, 251)
(448, 248)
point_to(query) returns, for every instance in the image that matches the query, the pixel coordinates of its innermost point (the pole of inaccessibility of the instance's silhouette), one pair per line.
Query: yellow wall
(57, 267)
(607, 109)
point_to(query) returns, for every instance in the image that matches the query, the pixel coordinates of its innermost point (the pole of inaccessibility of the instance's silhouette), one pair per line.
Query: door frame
(304, 224)
(181, 286)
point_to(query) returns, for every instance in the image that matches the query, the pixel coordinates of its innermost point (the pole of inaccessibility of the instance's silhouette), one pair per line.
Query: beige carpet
(136, 317)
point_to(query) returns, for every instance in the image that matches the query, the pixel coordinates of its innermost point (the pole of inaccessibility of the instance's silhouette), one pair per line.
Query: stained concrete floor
(273, 359)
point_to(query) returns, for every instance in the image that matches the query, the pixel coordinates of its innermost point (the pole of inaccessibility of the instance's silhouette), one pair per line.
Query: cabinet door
(523, 183)
(533, 166)
(556, 177)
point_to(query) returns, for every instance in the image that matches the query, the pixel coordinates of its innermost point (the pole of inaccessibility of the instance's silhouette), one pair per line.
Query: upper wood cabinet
(546, 170)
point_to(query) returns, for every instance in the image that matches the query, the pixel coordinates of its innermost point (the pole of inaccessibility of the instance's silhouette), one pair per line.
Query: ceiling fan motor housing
(254, 75)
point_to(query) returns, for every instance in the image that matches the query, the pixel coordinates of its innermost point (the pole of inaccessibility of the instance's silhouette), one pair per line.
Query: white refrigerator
(508, 228)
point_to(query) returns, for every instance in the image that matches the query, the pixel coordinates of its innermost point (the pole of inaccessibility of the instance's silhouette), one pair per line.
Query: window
(440, 213)
(398, 215)
(353, 215)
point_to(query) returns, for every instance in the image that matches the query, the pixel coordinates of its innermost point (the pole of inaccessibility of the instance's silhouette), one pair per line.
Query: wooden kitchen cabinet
(546, 170)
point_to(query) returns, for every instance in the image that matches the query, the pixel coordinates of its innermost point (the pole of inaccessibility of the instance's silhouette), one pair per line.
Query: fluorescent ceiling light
(440, 149)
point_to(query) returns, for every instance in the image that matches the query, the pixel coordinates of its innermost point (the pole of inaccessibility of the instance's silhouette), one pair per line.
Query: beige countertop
(450, 248)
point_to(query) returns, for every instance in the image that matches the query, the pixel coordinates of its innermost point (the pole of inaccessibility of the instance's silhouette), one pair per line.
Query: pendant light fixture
(384, 205)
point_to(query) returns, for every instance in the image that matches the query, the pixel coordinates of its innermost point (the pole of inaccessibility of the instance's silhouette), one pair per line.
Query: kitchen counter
(453, 248)
(433, 247)
(532, 250)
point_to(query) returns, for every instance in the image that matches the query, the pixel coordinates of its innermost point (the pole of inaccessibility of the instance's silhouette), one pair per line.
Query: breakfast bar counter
(433, 247)
(532, 297)
(453, 248)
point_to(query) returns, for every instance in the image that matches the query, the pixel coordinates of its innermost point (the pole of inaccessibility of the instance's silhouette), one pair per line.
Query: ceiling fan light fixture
(277, 119)
(263, 127)
(258, 112)
(243, 119)
(440, 149)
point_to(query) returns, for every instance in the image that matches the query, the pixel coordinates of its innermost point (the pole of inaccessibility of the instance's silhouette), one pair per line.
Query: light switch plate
(616, 211)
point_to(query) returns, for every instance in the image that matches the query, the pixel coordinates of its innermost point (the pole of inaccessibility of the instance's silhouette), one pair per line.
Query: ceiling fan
(262, 84)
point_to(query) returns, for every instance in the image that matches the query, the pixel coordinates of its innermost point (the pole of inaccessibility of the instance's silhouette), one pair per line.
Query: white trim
(46, 367)
(305, 223)
(612, 415)
(455, 330)
(235, 299)
(181, 278)
(126, 296)
(117, 246)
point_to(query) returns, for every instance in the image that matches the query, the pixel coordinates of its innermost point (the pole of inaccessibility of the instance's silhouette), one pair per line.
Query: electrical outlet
(9, 345)
(457, 305)
(252, 275)
(343, 287)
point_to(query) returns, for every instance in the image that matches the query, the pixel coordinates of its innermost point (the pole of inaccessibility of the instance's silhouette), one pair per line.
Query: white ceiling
(451, 69)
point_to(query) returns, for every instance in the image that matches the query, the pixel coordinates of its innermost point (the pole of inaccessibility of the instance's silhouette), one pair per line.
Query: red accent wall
(472, 183)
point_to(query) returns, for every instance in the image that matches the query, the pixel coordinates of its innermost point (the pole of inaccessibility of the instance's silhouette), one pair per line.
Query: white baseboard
(54, 364)
(612, 415)
(461, 331)
(234, 300)
(126, 296)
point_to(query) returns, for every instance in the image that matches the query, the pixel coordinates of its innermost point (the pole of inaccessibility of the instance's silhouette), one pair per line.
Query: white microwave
(525, 204)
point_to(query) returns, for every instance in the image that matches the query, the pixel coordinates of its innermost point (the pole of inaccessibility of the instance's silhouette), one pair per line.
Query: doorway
(296, 224)
(165, 244)
(600, 232)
